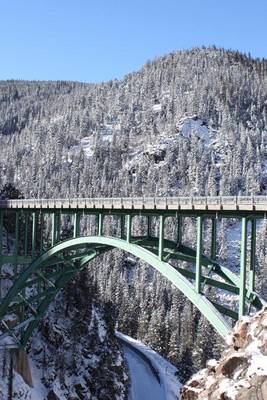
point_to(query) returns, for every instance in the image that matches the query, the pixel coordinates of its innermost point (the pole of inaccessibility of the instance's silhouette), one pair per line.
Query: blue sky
(97, 40)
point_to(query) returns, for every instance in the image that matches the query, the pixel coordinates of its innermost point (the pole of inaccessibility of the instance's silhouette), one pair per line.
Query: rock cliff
(241, 373)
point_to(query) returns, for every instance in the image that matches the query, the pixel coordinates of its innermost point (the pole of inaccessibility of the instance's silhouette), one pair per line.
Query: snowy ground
(145, 385)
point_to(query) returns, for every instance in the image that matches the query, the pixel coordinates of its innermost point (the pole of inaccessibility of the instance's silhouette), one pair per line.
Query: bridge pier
(55, 228)
(122, 226)
(53, 232)
(213, 238)
(41, 231)
(149, 226)
(26, 243)
(100, 224)
(243, 268)
(161, 235)
(16, 246)
(199, 254)
(76, 225)
(179, 229)
(252, 255)
(34, 233)
(128, 227)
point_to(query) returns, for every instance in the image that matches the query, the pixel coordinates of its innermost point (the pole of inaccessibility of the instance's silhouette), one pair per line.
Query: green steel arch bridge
(41, 259)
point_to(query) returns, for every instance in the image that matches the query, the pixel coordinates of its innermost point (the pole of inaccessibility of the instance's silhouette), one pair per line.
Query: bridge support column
(1, 249)
(76, 225)
(122, 218)
(58, 227)
(26, 244)
(34, 233)
(252, 256)
(199, 253)
(16, 248)
(100, 224)
(161, 236)
(129, 228)
(54, 229)
(41, 231)
(148, 226)
(243, 265)
(179, 229)
(213, 238)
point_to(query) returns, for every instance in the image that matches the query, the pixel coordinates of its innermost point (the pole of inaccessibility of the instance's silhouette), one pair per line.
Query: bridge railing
(160, 203)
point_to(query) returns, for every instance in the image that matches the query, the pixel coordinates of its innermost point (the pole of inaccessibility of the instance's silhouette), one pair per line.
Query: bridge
(51, 240)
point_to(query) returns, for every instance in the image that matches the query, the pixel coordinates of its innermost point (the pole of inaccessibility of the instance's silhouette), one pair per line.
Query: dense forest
(189, 123)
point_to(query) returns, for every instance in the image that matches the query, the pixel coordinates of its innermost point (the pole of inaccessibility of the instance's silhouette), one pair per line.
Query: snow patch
(157, 107)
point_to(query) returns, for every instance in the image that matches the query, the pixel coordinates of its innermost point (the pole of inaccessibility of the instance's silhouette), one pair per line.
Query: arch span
(75, 254)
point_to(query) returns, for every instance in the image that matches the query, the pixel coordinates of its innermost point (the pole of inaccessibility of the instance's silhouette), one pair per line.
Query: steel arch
(107, 243)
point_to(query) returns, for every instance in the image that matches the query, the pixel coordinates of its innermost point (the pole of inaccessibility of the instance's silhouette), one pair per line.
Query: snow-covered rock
(157, 107)
(188, 126)
(241, 373)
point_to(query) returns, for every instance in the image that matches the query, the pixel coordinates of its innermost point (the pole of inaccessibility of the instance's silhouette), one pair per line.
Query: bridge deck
(233, 203)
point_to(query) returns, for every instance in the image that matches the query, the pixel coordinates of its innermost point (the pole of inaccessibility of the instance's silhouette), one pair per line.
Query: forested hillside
(135, 134)
(189, 123)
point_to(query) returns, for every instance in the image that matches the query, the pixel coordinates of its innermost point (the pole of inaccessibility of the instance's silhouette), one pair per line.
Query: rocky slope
(74, 354)
(241, 373)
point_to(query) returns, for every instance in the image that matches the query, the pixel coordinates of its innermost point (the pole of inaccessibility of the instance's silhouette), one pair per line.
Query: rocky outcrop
(241, 373)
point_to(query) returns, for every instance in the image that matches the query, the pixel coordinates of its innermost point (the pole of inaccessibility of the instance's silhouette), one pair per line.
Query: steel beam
(41, 232)
(58, 226)
(213, 238)
(199, 254)
(54, 229)
(128, 228)
(243, 266)
(16, 247)
(154, 251)
(225, 310)
(209, 281)
(100, 224)
(34, 233)
(122, 223)
(149, 226)
(26, 244)
(179, 229)
(76, 225)
(177, 279)
(252, 256)
(161, 236)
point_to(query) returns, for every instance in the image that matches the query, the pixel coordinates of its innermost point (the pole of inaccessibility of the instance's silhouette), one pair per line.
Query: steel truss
(40, 274)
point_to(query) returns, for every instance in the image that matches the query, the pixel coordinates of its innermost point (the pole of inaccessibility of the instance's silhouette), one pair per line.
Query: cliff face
(241, 373)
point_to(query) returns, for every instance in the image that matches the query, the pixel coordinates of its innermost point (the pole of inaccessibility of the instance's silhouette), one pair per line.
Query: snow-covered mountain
(189, 123)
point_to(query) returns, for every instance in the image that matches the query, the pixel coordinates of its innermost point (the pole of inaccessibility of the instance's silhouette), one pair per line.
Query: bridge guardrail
(147, 203)
(214, 200)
